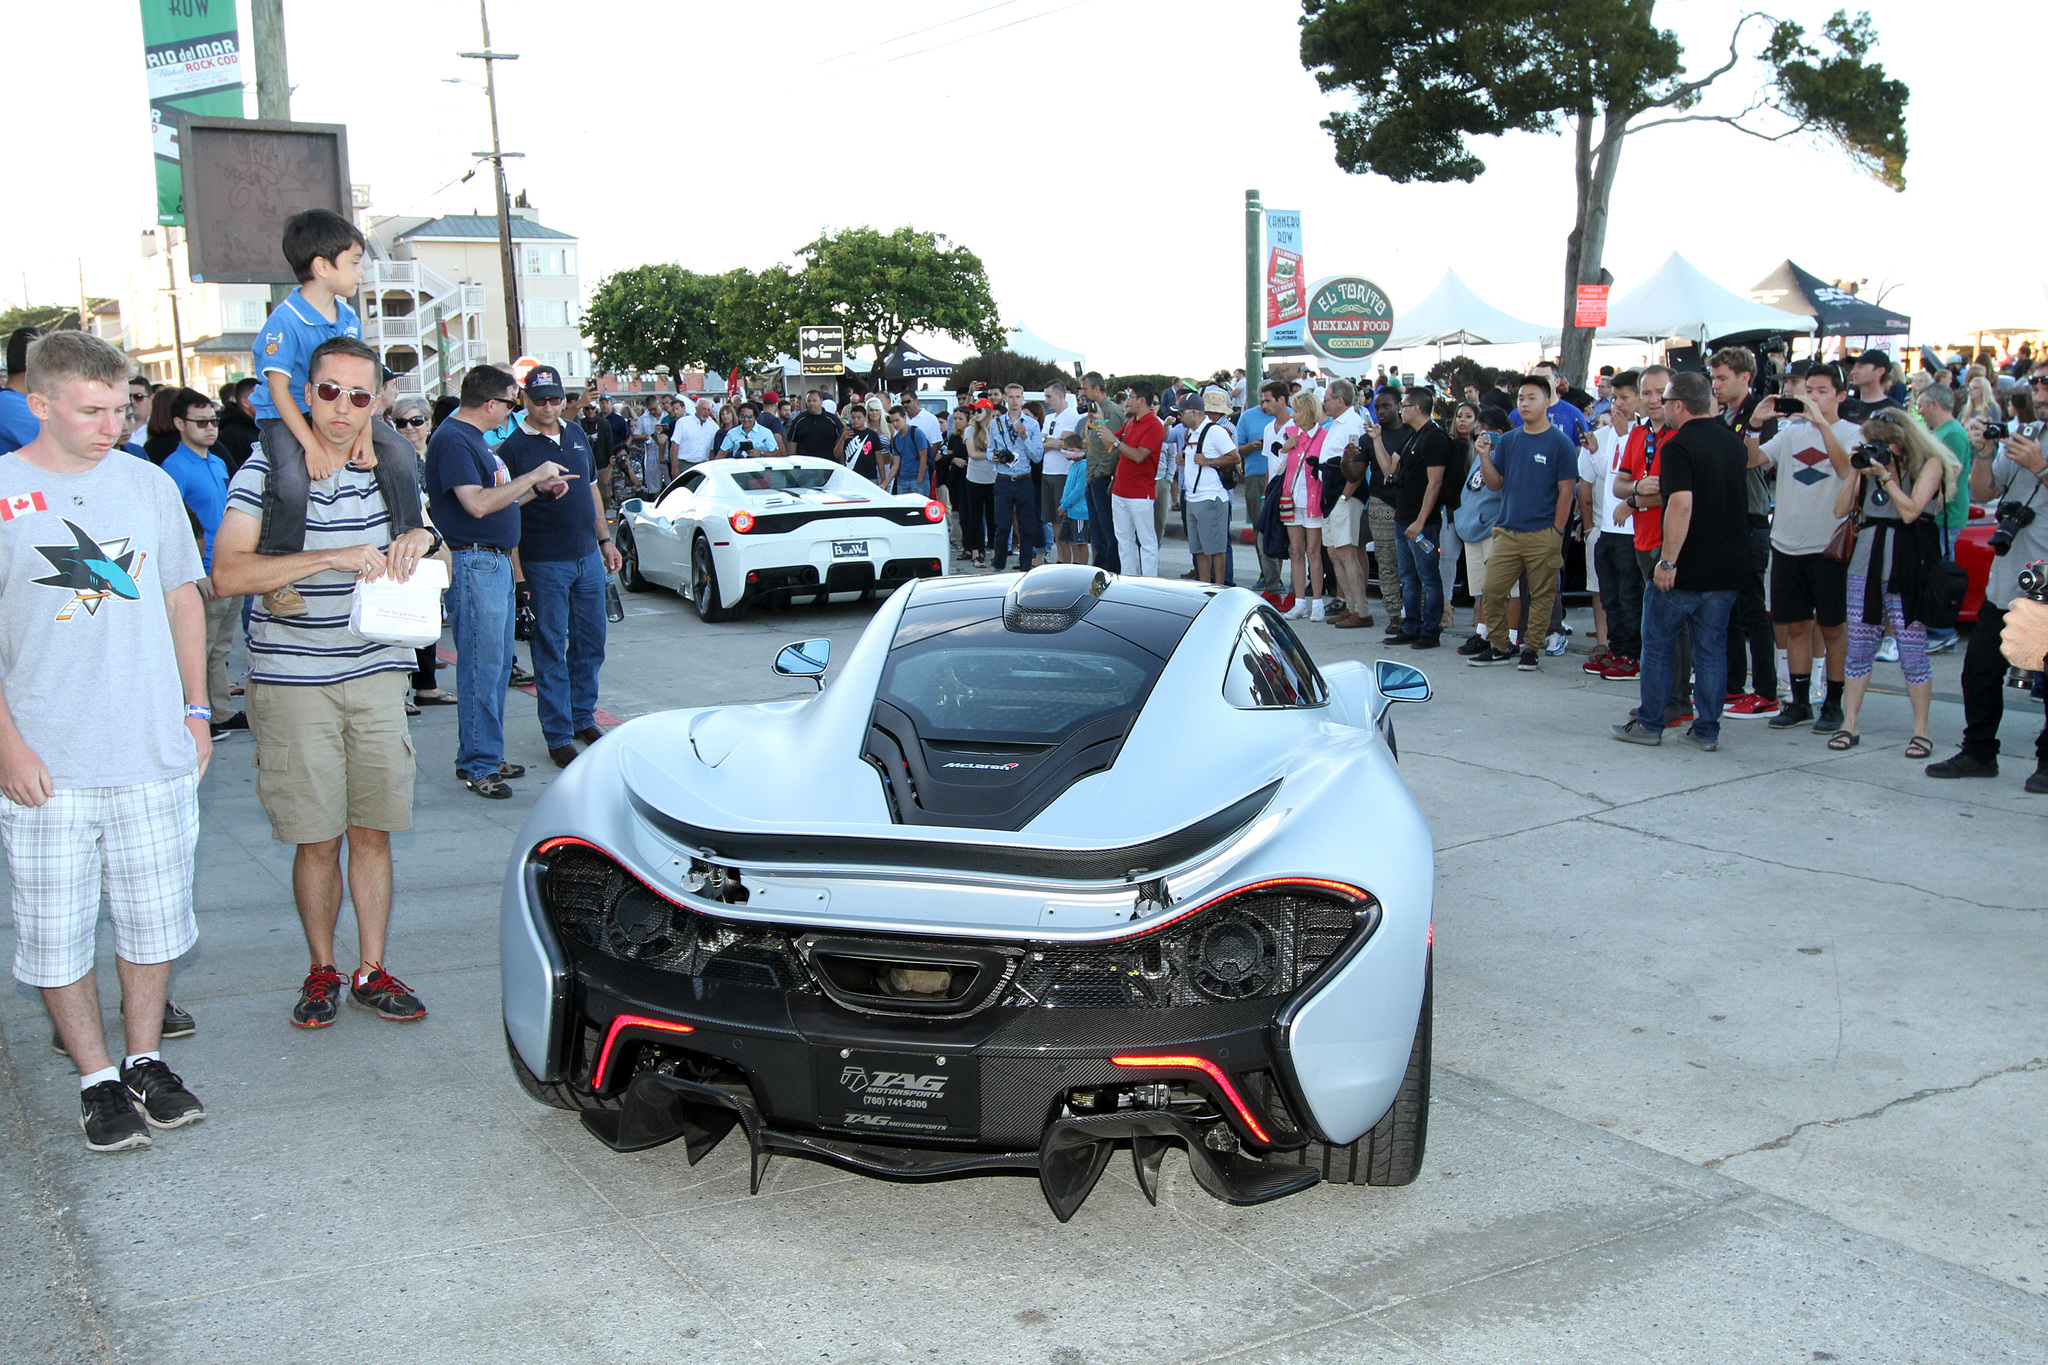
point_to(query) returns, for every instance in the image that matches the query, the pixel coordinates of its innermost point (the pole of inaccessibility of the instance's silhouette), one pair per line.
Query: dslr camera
(2012, 518)
(1996, 431)
(1870, 453)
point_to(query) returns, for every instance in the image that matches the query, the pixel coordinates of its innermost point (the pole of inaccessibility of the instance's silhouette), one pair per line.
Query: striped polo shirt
(318, 648)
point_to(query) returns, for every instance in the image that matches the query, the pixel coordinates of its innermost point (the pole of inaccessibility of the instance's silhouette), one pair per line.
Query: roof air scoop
(1052, 597)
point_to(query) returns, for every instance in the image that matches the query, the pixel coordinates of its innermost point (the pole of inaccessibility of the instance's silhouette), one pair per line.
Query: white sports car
(1059, 863)
(728, 533)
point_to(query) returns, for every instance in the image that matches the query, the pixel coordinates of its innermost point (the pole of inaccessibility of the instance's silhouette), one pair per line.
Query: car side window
(1270, 669)
(680, 490)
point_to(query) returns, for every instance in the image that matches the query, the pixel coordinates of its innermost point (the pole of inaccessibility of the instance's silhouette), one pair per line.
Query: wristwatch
(435, 548)
(1631, 501)
(1667, 564)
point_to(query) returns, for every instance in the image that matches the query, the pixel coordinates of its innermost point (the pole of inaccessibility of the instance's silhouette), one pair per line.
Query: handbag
(1841, 546)
(387, 612)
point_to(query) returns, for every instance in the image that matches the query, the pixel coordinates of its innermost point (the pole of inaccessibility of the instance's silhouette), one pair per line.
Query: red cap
(771, 397)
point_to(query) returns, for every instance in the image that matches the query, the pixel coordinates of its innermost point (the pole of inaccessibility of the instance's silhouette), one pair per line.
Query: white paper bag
(409, 613)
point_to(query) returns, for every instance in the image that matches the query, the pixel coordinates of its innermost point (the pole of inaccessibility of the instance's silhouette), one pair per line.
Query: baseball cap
(982, 405)
(1881, 359)
(545, 381)
(771, 397)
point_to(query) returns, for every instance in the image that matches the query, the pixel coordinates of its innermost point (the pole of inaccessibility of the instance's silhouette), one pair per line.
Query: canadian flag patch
(21, 505)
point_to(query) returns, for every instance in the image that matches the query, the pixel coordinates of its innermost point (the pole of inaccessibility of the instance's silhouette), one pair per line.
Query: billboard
(193, 54)
(1348, 318)
(242, 178)
(1286, 303)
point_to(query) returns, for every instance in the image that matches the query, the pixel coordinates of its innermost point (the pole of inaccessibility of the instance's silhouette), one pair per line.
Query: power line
(983, 33)
(944, 23)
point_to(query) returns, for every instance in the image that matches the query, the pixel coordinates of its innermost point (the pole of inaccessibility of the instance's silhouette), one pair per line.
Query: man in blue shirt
(1562, 414)
(565, 550)
(18, 426)
(1537, 467)
(1255, 426)
(202, 479)
(749, 433)
(1015, 446)
(474, 502)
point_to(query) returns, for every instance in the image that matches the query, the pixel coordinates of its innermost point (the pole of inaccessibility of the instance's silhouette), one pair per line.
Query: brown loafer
(590, 734)
(563, 756)
(1350, 620)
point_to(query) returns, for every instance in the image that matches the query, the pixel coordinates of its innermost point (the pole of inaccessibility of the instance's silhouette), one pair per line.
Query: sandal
(434, 698)
(411, 710)
(1844, 740)
(1920, 746)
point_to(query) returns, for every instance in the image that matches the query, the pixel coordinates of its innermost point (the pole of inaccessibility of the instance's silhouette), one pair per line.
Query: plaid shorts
(132, 845)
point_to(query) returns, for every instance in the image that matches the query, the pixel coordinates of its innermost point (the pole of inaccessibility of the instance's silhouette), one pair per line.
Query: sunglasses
(409, 422)
(200, 421)
(331, 393)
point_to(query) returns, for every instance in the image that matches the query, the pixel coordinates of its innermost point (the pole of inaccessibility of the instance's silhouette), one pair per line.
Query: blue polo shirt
(1251, 426)
(1532, 466)
(289, 336)
(18, 426)
(1565, 418)
(203, 482)
(763, 440)
(457, 456)
(554, 529)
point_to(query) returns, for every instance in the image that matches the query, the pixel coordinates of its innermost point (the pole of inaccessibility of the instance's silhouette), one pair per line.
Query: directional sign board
(822, 349)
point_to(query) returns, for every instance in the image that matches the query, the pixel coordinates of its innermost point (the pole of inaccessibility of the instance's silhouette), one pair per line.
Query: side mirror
(807, 659)
(1400, 682)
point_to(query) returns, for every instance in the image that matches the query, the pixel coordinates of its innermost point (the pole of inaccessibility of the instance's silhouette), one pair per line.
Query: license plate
(911, 1094)
(849, 549)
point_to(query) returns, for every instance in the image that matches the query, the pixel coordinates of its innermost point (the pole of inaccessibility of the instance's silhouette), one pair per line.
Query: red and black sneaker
(319, 999)
(1754, 706)
(1596, 663)
(388, 996)
(1619, 668)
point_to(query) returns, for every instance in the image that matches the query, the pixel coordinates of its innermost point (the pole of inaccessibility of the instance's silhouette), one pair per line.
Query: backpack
(1226, 474)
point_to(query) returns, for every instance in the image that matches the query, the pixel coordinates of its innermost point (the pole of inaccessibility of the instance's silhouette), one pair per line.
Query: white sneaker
(1315, 610)
(1556, 643)
(1888, 650)
(1297, 611)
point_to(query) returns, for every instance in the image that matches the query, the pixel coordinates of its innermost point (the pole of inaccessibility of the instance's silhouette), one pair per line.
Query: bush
(1157, 381)
(1000, 368)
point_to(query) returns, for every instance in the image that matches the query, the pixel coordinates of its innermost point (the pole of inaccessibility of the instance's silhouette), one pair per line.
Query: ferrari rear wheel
(1391, 1152)
(704, 594)
(629, 562)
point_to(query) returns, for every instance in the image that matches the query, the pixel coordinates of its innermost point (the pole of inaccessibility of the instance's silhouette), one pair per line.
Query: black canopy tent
(908, 363)
(1836, 312)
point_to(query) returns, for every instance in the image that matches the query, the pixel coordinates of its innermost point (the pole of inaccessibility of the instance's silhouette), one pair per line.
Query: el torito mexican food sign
(1348, 318)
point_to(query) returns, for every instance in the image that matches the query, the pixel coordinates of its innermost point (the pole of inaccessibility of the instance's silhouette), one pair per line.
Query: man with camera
(1016, 445)
(2015, 479)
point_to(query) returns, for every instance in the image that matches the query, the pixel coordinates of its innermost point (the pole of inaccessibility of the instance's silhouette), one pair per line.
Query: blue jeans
(1101, 528)
(1422, 581)
(1705, 614)
(1017, 498)
(480, 613)
(568, 642)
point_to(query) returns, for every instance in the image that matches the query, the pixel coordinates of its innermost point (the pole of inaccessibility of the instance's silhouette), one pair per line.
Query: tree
(1430, 74)
(51, 317)
(1001, 368)
(654, 315)
(883, 286)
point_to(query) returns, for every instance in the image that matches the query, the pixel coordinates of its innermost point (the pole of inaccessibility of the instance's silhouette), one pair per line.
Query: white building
(219, 322)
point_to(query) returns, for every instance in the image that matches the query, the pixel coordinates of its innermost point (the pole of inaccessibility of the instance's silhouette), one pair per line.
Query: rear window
(781, 478)
(985, 683)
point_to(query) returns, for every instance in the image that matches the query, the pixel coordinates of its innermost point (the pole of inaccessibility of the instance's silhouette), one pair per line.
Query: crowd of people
(1740, 530)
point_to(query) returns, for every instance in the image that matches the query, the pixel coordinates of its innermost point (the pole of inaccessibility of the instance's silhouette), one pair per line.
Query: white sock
(100, 1077)
(127, 1062)
(1481, 629)
(1514, 637)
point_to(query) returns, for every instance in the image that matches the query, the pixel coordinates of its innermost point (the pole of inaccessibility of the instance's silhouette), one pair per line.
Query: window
(781, 478)
(983, 683)
(1269, 668)
(548, 312)
(570, 363)
(243, 315)
(547, 260)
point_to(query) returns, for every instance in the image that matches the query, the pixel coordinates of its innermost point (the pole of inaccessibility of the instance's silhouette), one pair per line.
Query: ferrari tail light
(1214, 1073)
(742, 521)
(934, 510)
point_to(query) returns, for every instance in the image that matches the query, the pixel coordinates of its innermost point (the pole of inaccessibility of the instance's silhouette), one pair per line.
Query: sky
(1094, 153)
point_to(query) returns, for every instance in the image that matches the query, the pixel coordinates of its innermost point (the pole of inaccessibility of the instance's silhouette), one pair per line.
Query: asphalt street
(1740, 1057)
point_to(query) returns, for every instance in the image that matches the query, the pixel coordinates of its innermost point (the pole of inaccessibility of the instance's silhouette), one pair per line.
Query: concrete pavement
(1740, 1057)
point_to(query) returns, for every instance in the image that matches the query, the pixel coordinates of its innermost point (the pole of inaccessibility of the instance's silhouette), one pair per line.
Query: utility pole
(496, 156)
(1254, 339)
(273, 82)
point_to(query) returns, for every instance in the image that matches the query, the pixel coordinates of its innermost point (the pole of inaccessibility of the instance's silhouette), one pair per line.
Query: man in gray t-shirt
(104, 729)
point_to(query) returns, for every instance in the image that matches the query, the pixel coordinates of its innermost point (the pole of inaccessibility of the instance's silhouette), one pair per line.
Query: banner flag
(193, 52)
(1285, 306)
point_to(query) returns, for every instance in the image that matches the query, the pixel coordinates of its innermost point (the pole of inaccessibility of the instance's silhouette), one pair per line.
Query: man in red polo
(1135, 484)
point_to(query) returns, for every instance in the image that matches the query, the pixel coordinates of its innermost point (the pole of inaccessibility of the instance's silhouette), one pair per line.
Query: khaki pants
(1380, 524)
(1540, 554)
(222, 616)
(333, 756)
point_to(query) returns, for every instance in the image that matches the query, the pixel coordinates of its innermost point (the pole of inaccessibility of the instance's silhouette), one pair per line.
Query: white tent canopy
(1451, 314)
(1025, 342)
(1678, 301)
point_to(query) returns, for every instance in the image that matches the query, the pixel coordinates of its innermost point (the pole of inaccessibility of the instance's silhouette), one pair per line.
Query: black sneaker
(1488, 657)
(1830, 720)
(1963, 765)
(388, 996)
(319, 1000)
(109, 1119)
(1426, 642)
(1474, 644)
(1397, 637)
(1794, 713)
(520, 677)
(177, 1024)
(509, 771)
(160, 1096)
(490, 786)
(238, 721)
(2037, 781)
(1527, 663)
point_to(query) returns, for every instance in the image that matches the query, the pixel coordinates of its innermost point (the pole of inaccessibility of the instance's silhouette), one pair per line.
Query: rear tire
(704, 593)
(554, 1094)
(1391, 1152)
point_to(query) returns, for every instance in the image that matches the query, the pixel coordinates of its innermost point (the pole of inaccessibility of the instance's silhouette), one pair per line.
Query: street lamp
(496, 156)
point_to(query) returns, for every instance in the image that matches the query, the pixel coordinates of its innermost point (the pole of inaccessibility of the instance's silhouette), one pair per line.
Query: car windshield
(781, 479)
(985, 683)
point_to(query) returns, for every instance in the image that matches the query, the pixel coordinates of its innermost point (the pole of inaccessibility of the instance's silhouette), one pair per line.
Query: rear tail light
(1214, 1073)
(934, 510)
(626, 1021)
(742, 521)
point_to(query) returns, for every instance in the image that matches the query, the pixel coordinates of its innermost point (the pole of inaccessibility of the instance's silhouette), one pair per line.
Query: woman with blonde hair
(1897, 551)
(1301, 503)
(1980, 397)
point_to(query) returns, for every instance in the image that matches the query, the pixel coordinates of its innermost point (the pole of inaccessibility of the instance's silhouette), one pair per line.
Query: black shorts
(1808, 588)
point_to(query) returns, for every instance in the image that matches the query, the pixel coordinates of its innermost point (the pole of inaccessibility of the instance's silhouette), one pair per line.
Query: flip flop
(1844, 740)
(441, 699)
(411, 710)
(1920, 746)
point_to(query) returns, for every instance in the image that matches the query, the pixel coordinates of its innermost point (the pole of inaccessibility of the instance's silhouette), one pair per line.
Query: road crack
(2034, 1064)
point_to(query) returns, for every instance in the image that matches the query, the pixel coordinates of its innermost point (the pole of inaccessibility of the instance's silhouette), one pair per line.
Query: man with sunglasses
(327, 708)
(202, 479)
(475, 501)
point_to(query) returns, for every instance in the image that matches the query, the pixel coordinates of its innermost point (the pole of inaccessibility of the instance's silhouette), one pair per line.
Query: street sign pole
(1254, 363)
